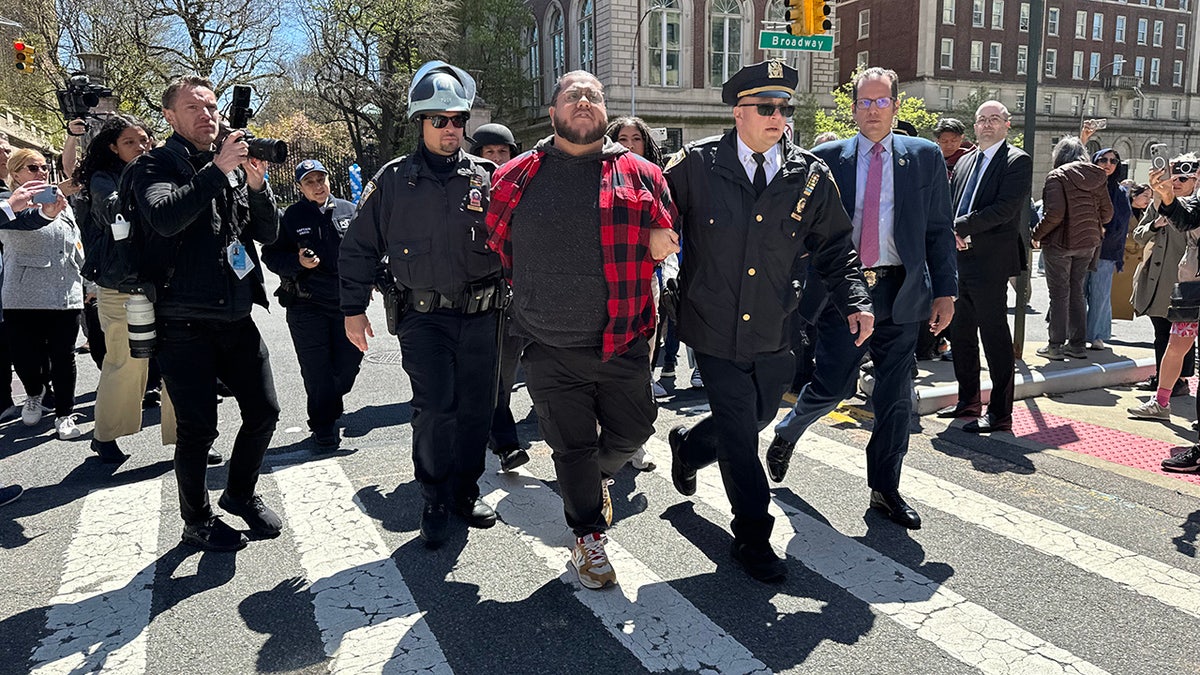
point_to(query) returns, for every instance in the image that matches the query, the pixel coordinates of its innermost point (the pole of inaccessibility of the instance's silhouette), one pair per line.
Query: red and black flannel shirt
(633, 200)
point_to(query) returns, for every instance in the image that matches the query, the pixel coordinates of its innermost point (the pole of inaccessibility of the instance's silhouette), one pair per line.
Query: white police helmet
(440, 87)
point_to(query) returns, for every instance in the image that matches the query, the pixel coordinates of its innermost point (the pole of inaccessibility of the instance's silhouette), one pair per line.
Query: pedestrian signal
(23, 56)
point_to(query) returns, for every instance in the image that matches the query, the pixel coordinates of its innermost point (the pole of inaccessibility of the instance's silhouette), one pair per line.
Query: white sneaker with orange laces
(591, 562)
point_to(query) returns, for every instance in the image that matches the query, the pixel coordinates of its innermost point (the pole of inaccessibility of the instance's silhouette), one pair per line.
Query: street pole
(1033, 71)
(637, 55)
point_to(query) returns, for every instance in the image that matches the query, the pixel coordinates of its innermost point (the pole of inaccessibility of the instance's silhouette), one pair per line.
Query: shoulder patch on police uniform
(676, 158)
(368, 190)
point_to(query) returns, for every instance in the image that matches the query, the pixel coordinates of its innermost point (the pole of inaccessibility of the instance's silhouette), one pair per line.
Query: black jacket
(306, 224)
(999, 214)
(739, 251)
(190, 213)
(432, 234)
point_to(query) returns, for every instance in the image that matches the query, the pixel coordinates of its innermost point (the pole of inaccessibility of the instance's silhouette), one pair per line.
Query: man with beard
(424, 212)
(579, 223)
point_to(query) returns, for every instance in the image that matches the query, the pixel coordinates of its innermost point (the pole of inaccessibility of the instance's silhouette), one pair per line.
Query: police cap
(773, 79)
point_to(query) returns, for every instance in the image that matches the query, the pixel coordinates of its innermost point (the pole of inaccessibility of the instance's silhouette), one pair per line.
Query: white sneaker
(591, 562)
(659, 390)
(31, 412)
(65, 426)
(1150, 410)
(642, 460)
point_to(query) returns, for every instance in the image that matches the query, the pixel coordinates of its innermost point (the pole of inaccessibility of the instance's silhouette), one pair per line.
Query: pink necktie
(868, 247)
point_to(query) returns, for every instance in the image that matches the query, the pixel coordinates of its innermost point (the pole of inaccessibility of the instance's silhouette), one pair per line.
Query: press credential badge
(239, 262)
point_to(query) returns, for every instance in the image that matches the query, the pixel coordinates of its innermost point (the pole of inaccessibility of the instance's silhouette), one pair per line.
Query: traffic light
(808, 17)
(795, 16)
(23, 56)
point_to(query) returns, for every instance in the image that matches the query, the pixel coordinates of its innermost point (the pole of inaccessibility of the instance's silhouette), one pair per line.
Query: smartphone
(48, 195)
(1096, 124)
(1158, 155)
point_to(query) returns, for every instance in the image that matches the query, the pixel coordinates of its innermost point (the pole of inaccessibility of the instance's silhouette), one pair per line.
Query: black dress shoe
(896, 508)
(986, 425)
(511, 458)
(476, 512)
(1181, 388)
(108, 451)
(779, 456)
(327, 438)
(683, 477)
(1147, 385)
(214, 457)
(435, 523)
(760, 562)
(956, 411)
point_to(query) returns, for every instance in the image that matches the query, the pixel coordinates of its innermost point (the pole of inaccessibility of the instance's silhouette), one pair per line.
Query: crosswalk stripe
(966, 631)
(645, 614)
(1144, 575)
(98, 618)
(367, 616)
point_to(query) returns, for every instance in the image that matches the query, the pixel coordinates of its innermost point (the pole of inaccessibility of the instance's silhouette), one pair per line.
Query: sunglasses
(37, 168)
(1108, 160)
(881, 103)
(1182, 179)
(767, 109)
(440, 121)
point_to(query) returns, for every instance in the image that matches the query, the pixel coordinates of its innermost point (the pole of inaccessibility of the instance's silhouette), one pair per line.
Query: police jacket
(738, 250)
(319, 227)
(191, 212)
(433, 233)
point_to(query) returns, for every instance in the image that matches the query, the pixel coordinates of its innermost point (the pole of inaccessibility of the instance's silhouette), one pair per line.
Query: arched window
(558, 45)
(533, 66)
(663, 44)
(725, 41)
(587, 36)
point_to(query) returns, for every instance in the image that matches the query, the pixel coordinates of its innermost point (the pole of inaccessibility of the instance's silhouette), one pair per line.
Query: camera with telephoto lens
(270, 150)
(139, 314)
(80, 96)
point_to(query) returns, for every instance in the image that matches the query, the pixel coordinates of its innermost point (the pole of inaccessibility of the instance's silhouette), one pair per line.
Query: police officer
(425, 212)
(494, 142)
(305, 256)
(750, 203)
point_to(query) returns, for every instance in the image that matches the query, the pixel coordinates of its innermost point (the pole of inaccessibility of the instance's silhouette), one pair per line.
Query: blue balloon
(356, 184)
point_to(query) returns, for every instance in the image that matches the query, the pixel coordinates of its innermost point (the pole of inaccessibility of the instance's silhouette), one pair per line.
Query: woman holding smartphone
(42, 292)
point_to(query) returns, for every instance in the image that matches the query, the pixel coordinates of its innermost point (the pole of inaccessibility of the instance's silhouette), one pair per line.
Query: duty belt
(479, 296)
(874, 274)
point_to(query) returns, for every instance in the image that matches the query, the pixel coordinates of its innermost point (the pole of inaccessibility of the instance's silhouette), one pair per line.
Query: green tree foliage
(490, 44)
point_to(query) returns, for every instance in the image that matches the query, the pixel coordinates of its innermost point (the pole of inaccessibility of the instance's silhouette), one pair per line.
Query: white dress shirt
(987, 159)
(746, 157)
(888, 253)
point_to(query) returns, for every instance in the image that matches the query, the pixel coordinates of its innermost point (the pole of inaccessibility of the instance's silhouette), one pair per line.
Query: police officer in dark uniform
(425, 213)
(305, 256)
(751, 203)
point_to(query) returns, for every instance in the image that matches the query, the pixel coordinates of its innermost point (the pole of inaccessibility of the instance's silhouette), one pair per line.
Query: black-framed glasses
(768, 109)
(882, 103)
(1107, 160)
(440, 121)
(573, 96)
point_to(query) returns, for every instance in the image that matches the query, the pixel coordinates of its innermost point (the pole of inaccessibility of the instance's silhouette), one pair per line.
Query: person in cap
(895, 187)
(579, 223)
(494, 142)
(424, 213)
(750, 204)
(305, 256)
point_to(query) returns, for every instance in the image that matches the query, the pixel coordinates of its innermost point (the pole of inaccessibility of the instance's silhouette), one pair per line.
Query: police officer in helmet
(425, 212)
(494, 142)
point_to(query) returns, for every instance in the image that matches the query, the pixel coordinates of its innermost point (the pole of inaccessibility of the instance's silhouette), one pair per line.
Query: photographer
(201, 205)
(305, 256)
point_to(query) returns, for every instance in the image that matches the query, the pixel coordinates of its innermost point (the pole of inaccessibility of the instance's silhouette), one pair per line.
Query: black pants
(449, 358)
(6, 369)
(981, 315)
(94, 332)
(745, 398)
(804, 346)
(190, 354)
(575, 393)
(328, 361)
(504, 427)
(38, 335)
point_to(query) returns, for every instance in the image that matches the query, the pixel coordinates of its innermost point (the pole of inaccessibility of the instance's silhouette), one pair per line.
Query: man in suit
(896, 188)
(990, 191)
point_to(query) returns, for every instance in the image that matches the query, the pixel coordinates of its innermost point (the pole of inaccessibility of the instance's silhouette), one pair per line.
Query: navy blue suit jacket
(924, 226)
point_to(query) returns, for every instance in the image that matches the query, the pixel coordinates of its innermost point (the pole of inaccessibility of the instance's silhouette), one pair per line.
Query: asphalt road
(1028, 562)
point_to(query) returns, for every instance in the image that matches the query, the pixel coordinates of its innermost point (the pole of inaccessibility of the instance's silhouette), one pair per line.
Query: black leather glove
(668, 300)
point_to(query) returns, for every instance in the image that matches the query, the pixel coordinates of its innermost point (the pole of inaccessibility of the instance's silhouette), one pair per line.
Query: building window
(1052, 16)
(1118, 64)
(977, 13)
(994, 57)
(1022, 59)
(864, 24)
(587, 36)
(946, 94)
(533, 66)
(1048, 104)
(1137, 107)
(1077, 66)
(1094, 65)
(1152, 108)
(1177, 74)
(1091, 106)
(1154, 63)
(664, 44)
(1158, 33)
(1183, 4)
(558, 44)
(947, 59)
(1097, 26)
(1120, 37)
(948, 12)
(1180, 36)
(1174, 110)
(1051, 63)
(1114, 107)
(1142, 31)
(862, 59)
(1023, 21)
(998, 14)
(725, 46)
(1075, 105)
(1020, 102)
(976, 56)
(1081, 25)
(1139, 67)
